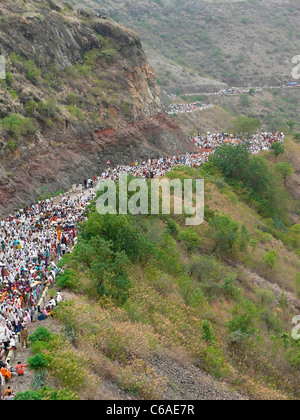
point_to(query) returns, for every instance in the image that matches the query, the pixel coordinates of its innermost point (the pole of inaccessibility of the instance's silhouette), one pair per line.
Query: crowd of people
(264, 141)
(234, 91)
(188, 108)
(238, 90)
(31, 242)
(256, 89)
(205, 146)
(258, 143)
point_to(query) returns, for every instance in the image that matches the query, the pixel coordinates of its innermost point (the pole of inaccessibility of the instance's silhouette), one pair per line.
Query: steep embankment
(185, 381)
(180, 310)
(78, 89)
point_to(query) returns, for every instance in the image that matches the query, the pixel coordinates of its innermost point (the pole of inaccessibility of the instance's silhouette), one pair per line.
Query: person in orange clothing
(8, 391)
(20, 369)
(6, 373)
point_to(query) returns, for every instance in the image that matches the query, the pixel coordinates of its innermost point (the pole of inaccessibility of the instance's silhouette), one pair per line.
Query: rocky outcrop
(85, 92)
(56, 168)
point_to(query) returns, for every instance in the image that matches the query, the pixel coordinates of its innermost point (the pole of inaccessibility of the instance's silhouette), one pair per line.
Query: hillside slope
(156, 310)
(236, 42)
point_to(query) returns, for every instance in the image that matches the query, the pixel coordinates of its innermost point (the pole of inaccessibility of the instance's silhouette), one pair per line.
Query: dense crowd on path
(234, 91)
(174, 108)
(238, 90)
(187, 108)
(258, 143)
(31, 242)
(257, 89)
(205, 146)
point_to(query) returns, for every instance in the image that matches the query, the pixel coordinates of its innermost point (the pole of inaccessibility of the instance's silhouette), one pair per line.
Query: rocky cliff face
(78, 90)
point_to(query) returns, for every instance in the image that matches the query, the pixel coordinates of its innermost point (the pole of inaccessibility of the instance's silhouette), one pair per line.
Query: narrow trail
(198, 106)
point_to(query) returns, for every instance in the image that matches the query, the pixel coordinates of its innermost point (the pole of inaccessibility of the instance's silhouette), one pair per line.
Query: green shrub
(72, 98)
(126, 108)
(41, 334)
(39, 380)
(271, 259)
(244, 238)
(15, 59)
(32, 71)
(225, 233)
(9, 79)
(191, 295)
(244, 124)
(67, 280)
(108, 54)
(244, 100)
(47, 394)
(229, 289)
(39, 346)
(13, 93)
(75, 112)
(47, 109)
(284, 170)
(30, 107)
(296, 137)
(277, 149)
(207, 333)
(29, 396)
(206, 269)
(191, 240)
(172, 227)
(38, 362)
(17, 125)
(252, 178)
(12, 145)
(241, 323)
(215, 363)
